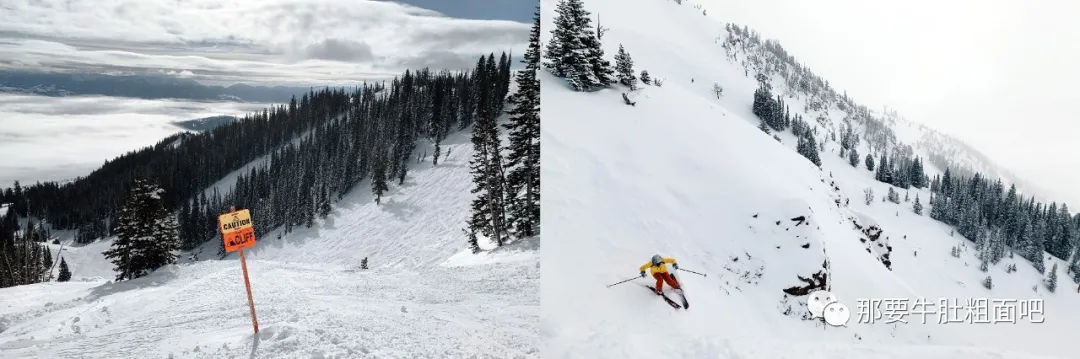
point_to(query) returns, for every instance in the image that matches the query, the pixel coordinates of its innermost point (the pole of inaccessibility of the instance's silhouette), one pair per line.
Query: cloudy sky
(1001, 75)
(270, 41)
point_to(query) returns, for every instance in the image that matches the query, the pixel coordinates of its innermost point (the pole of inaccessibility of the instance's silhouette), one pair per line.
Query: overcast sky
(1002, 75)
(273, 41)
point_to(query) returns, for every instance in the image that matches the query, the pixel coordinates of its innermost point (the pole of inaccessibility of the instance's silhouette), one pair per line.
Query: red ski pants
(662, 277)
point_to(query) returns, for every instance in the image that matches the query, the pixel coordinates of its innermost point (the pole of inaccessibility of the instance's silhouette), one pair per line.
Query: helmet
(657, 259)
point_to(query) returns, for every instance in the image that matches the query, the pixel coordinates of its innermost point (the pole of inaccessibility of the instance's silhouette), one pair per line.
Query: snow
(422, 296)
(80, 132)
(687, 175)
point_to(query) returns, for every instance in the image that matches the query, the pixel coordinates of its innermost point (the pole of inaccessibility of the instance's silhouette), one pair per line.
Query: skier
(659, 271)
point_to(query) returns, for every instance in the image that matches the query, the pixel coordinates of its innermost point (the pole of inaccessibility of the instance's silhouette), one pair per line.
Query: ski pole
(610, 285)
(685, 270)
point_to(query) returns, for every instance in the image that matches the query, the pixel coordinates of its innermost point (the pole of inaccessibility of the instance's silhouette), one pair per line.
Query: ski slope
(423, 296)
(687, 175)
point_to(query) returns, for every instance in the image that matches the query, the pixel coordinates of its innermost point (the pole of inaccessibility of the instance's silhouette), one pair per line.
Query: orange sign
(241, 239)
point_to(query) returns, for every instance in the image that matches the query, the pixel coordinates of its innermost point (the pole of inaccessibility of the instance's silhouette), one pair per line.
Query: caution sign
(237, 230)
(234, 221)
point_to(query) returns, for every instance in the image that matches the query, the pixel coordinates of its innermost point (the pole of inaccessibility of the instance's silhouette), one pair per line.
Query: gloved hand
(643, 274)
(675, 265)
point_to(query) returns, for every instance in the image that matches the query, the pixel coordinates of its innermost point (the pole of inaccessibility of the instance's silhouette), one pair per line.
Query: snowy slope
(423, 296)
(687, 175)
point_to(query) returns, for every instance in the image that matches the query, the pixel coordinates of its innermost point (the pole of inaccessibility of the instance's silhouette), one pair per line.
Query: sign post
(237, 232)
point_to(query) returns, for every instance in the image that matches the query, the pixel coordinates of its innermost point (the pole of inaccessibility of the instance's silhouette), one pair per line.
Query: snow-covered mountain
(423, 295)
(678, 170)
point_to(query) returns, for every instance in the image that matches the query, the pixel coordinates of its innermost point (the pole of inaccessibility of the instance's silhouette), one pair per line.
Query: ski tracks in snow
(200, 311)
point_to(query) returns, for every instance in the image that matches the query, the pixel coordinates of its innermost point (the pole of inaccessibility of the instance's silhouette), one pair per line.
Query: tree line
(507, 202)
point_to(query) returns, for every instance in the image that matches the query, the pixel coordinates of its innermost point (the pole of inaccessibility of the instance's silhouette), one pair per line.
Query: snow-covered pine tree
(853, 157)
(65, 272)
(917, 207)
(645, 79)
(489, 207)
(624, 68)
(378, 174)
(363, 263)
(601, 67)
(523, 158)
(893, 196)
(567, 52)
(869, 162)
(882, 174)
(147, 235)
(1051, 279)
(808, 148)
(717, 89)
(988, 283)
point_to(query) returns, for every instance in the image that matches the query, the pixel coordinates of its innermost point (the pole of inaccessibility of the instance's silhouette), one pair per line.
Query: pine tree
(1051, 279)
(567, 51)
(869, 162)
(917, 207)
(808, 148)
(488, 207)
(624, 66)
(65, 272)
(363, 263)
(147, 235)
(853, 157)
(523, 159)
(645, 79)
(378, 177)
(882, 174)
(988, 283)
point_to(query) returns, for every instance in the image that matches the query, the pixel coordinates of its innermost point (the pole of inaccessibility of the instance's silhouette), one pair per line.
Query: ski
(666, 299)
(685, 304)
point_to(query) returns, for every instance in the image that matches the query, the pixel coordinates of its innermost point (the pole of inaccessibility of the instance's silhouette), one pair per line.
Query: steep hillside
(688, 174)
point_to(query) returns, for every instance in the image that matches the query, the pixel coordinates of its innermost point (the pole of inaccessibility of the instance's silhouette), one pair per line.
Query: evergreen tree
(523, 159)
(363, 263)
(624, 66)
(574, 50)
(65, 272)
(893, 196)
(917, 207)
(378, 177)
(1051, 279)
(869, 162)
(645, 79)
(882, 174)
(853, 157)
(765, 128)
(147, 235)
(488, 207)
(808, 148)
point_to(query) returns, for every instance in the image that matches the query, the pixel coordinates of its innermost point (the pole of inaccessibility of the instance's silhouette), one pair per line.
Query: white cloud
(306, 41)
(60, 138)
(999, 74)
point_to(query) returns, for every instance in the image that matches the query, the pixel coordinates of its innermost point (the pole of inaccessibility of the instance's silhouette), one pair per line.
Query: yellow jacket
(662, 268)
